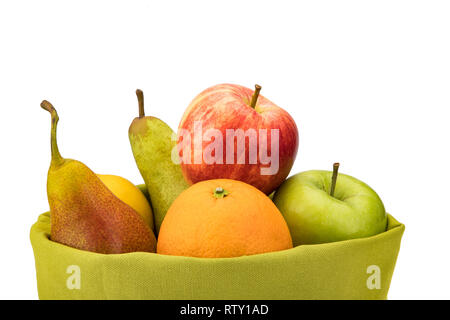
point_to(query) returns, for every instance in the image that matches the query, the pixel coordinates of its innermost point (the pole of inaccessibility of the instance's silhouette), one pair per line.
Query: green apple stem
(140, 96)
(255, 96)
(56, 156)
(334, 178)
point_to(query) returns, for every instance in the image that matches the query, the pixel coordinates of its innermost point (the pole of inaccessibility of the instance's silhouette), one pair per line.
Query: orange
(222, 218)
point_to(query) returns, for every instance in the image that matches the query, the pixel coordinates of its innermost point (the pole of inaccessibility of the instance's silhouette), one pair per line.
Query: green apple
(321, 207)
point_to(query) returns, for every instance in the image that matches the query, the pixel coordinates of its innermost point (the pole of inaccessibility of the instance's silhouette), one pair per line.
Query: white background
(368, 83)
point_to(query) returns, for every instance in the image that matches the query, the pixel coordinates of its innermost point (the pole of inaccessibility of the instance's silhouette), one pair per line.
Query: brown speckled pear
(84, 213)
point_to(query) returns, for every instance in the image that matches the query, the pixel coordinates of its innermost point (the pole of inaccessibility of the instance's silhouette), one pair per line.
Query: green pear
(152, 145)
(84, 213)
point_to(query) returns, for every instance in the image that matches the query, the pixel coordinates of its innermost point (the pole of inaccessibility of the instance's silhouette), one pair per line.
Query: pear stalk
(57, 159)
(140, 97)
(334, 178)
(255, 96)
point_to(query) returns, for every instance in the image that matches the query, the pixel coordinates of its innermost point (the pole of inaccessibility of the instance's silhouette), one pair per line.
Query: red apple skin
(227, 106)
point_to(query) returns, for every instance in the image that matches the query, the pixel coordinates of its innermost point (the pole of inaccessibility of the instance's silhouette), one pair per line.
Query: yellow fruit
(130, 194)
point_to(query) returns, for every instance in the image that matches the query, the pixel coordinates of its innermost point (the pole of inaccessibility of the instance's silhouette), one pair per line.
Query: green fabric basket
(352, 269)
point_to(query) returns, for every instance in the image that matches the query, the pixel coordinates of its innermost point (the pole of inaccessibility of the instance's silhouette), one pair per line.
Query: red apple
(230, 131)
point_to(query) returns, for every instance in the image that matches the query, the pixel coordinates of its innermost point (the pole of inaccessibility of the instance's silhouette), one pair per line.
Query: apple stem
(140, 96)
(255, 96)
(334, 178)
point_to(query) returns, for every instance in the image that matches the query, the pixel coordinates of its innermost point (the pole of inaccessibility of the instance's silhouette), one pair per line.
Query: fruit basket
(210, 212)
(351, 269)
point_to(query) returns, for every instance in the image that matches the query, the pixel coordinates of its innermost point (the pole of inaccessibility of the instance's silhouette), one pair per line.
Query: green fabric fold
(352, 269)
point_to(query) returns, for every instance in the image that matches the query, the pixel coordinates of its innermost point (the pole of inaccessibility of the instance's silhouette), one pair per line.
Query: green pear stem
(56, 156)
(140, 97)
(334, 178)
(255, 96)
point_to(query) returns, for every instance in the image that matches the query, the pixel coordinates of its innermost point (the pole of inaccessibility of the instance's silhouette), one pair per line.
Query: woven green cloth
(353, 269)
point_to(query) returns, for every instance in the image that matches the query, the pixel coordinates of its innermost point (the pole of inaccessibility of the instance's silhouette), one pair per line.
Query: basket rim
(40, 233)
